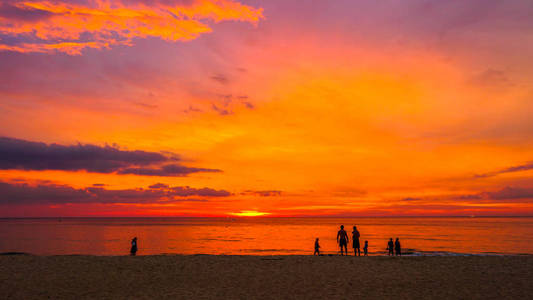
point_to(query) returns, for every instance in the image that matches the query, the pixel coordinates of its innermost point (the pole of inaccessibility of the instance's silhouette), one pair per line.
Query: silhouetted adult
(342, 239)
(355, 241)
(133, 250)
(390, 247)
(398, 247)
(317, 247)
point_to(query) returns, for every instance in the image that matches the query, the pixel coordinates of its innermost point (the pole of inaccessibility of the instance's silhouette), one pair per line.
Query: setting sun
(249, 213)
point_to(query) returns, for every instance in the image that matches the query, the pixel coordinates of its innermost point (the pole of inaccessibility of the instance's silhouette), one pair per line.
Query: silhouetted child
(133, 250)
(390, 247)
(365, 248)
(317, 247)
(398, 247)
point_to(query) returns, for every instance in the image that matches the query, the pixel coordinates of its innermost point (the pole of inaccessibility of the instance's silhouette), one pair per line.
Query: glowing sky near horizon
(277, 108)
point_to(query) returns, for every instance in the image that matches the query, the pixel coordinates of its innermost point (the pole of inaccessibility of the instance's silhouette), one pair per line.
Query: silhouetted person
(133, 250)
(317, 247)
(365, 249)
(390, 247)
(355, 241)
(398, 247)
(342, 239)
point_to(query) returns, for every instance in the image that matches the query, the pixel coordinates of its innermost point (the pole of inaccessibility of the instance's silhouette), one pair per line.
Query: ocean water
(264, 236)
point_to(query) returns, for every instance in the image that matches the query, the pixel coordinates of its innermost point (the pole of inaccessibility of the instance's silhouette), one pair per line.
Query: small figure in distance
(398, 247)
(390, 247)
(342, 239)
(355, 241)
(317, 248)
(365, 249)
(133, 250)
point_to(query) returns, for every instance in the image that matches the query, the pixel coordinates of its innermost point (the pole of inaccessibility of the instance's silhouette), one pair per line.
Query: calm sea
(263, 236)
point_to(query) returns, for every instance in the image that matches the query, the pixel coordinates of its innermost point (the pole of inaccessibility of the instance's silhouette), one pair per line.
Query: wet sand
(265, 277)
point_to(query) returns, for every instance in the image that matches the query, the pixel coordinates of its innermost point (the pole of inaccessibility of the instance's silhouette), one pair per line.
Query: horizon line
(267, 217)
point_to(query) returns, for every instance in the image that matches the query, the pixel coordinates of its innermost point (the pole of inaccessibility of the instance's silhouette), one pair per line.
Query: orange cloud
(43, 26)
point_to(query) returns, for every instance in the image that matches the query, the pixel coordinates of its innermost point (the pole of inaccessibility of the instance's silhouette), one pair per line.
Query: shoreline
(265, 277)
(418, 254)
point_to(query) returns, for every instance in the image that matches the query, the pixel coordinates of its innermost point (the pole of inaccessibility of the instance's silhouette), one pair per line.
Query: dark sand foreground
(270, 277)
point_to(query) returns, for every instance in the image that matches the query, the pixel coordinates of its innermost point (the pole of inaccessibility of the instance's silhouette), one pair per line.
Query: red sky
(280, 108)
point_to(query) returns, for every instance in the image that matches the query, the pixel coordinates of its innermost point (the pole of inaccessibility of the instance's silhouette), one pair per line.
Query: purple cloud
(159, 186)
(166, 170)
(220, 79)
(510, 193)
(16, 154)
(23, 193)
(26, 14)
(265, 193)
(523, 167)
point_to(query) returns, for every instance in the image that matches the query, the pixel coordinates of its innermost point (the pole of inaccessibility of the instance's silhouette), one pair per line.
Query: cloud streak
(16, 154)
(72, 26)
(524, 167)
(508, 194)
(263, 193)
(24, 193)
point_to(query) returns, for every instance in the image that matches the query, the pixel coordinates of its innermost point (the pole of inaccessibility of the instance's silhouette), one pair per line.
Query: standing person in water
(390, 247)
(342, 239)
(317, 247)
(133, 250)
(398, 247)
(365, 249)
(355, 241)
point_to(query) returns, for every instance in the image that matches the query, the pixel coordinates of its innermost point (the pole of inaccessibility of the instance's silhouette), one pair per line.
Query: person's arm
(338, 233)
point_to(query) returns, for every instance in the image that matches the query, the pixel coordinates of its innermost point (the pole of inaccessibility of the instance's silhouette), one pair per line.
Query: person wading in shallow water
(317, 247)
(133, 250)
(355, 241)
(342, 239)
(398, 247)
(390, 247)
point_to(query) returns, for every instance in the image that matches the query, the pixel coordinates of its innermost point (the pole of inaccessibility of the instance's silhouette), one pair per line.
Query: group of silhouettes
(394, 248)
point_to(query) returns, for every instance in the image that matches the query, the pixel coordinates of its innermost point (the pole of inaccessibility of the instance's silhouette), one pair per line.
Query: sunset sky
(278, 108)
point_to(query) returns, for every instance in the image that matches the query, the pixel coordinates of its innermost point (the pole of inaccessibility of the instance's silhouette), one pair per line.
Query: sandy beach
(264, 277)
